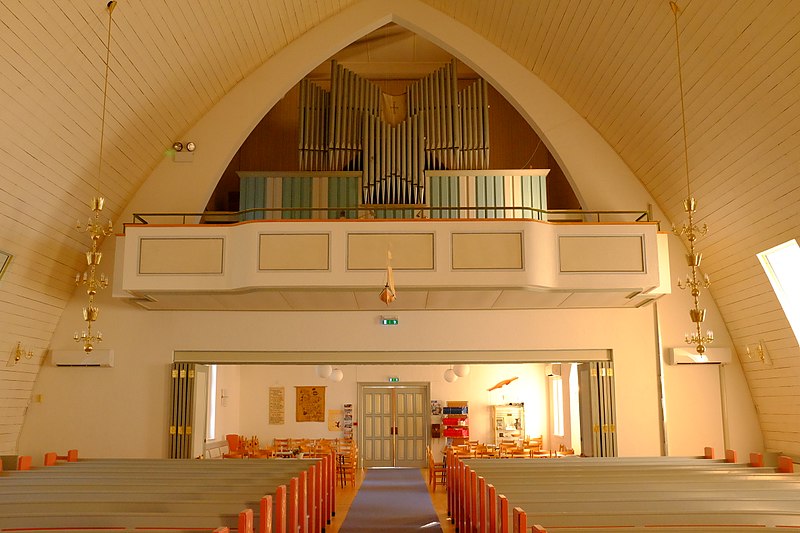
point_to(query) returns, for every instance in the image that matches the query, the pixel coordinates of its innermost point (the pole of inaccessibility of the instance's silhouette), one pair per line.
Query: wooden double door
(394, 424)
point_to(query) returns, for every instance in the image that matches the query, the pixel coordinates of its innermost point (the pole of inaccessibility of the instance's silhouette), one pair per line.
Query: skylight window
(782, 265)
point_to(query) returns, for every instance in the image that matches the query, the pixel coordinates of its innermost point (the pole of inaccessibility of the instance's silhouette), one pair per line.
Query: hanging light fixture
(388, 294)
(324, 371)
(450, 375)
(96, 228)
(461, 370)
(336, 375)
(691, 231)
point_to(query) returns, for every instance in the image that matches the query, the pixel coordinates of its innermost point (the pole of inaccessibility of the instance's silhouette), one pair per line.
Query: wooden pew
(175, 490)
(468, 506)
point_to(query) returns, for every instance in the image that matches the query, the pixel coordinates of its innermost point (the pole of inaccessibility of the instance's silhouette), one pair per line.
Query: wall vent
(103, 358)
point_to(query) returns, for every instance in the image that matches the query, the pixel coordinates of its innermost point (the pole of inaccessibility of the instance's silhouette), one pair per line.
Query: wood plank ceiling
(611, 60)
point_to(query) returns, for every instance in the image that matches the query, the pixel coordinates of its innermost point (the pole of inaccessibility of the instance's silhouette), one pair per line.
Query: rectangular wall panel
(181, 255)
(601, 253)
(290, 251)
(410, 251)
(494, 251)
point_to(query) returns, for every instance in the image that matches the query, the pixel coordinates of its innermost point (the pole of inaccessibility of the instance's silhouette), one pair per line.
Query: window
(782, 263)
(211, 423)
(558, 406)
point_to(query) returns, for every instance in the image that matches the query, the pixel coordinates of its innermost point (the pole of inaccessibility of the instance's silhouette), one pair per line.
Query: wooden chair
(347, 462)
(463, 451)
(482, 450)
(234, 447)
(437, 472)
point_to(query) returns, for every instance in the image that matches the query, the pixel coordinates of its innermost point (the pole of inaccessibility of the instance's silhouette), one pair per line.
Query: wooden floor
(346, 495)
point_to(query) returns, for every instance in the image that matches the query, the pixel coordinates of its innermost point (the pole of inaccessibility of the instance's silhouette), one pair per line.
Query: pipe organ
(348, 128)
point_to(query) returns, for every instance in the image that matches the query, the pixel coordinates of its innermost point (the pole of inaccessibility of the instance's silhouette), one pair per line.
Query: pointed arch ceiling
(612, 64)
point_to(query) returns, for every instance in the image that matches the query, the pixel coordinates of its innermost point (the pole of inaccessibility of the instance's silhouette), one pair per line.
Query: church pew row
(119, 518)
(622, 492)
(311, 518)
(169, 494)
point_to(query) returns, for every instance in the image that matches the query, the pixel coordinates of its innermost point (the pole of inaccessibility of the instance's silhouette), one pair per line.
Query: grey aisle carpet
(392, 501)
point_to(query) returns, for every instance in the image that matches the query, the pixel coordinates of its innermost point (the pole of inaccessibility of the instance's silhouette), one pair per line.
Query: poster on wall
(335, 419)
(436, 407)
(310, 404)
(276, 405)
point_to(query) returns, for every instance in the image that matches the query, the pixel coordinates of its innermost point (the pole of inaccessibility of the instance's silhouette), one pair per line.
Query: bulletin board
(310, 404)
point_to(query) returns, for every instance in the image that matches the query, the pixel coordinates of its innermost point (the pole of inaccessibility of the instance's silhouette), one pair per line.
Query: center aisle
(392, 500)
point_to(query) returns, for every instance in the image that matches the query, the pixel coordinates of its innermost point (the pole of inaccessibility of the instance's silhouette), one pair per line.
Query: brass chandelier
(96, 228)
(691, 231)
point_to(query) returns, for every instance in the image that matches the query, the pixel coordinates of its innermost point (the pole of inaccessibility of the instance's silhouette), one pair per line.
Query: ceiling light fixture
(691, 231)
(95, 227)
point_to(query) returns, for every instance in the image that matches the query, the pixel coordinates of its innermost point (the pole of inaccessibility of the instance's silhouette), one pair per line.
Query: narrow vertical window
(558, 406)
(211, 423)
(782, 264)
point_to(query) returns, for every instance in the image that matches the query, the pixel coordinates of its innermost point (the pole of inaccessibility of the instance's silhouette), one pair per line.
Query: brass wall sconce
(20, 352)
(758, 352)
(5, 260)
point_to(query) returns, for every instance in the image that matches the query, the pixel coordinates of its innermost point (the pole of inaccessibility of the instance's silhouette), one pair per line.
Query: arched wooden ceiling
(614, 62)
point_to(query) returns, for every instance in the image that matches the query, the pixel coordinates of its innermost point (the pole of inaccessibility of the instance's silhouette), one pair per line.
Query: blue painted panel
(259, 198)
(342, 193)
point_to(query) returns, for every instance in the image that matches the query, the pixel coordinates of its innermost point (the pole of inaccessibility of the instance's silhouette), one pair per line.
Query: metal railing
(398, 212)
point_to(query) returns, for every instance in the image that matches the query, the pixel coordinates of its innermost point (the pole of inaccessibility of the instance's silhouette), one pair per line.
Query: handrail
(420, 211)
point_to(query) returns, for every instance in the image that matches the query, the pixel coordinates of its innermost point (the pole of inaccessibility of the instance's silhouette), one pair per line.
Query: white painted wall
(123, 411)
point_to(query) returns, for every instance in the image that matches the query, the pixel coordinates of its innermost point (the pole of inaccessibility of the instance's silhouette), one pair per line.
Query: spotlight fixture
(190, 146)
(177, 146)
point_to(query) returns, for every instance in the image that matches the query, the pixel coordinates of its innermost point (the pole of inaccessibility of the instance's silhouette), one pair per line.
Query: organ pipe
(342, 129)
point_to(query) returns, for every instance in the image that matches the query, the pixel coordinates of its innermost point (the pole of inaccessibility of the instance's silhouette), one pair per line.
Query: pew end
(785, 465)
(265, 515)
(520, 521)
(730, 456)
(708, 452)
(756, 459)
(536, 528)
(51, 458)
(24, 462)
(246, 521)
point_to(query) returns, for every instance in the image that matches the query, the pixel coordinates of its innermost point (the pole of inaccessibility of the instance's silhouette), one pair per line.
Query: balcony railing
(447, 195)
(405, 212)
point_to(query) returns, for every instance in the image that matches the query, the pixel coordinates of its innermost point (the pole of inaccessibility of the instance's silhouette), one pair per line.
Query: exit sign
(389, 321)
(394, 380)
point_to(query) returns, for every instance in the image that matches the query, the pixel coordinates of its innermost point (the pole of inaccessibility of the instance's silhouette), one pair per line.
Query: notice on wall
(335, 419)
(276, 405)
(310, 404)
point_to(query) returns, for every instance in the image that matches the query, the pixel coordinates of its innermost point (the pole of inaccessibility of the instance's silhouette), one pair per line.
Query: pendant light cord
(111, 5)
(675, 9)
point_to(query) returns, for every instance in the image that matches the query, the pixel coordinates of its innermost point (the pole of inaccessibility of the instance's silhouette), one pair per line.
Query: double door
(394, 422)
